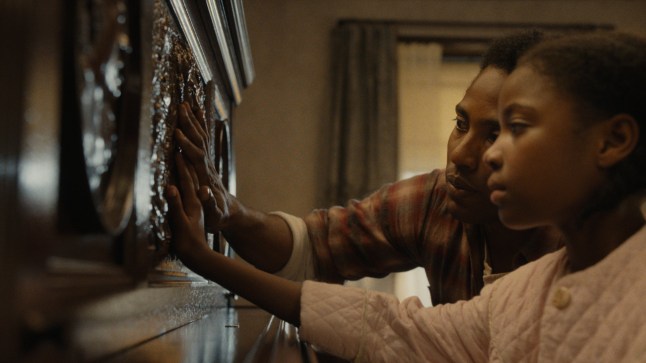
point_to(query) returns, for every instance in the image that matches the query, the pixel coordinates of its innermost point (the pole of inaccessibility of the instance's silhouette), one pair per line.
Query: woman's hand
(194, 140)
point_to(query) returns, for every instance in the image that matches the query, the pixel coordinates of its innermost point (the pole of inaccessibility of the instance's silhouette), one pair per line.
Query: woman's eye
(493, 136)
(461, 125)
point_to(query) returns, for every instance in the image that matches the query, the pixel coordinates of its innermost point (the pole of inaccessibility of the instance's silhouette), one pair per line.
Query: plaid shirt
(401, 226)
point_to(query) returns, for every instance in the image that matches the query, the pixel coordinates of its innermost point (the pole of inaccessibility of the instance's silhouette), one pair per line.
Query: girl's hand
(278, 296)
(186, 216)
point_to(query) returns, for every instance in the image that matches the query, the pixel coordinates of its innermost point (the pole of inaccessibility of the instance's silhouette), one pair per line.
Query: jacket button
(561, 298)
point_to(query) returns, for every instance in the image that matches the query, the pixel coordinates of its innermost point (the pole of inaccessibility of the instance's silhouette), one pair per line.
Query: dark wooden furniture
(89, 101)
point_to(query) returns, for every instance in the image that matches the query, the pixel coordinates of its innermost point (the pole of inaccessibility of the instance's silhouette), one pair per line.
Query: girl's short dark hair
(605, 73)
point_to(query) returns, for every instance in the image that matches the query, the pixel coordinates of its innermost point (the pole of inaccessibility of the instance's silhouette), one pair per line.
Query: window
(430, 85)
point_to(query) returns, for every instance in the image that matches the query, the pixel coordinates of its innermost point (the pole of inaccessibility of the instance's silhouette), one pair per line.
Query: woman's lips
(460, 184)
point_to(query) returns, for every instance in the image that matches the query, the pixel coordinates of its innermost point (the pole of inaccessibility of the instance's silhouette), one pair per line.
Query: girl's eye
(516, 128)
(461, 125)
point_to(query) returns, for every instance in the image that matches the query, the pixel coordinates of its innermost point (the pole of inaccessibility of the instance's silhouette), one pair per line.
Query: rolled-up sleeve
(377, 235)
(300, 265)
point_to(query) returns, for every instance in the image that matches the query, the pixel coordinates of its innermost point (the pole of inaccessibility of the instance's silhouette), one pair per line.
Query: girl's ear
(620, 137)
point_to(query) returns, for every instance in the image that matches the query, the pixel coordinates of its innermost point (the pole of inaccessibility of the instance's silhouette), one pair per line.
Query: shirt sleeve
(368, 326)
(375, 236)
(300, 265)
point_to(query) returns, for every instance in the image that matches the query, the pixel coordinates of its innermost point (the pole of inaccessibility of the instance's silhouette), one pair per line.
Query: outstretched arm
(278, 296)
(262, 239)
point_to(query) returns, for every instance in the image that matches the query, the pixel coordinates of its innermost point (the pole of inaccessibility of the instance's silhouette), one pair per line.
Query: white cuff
(300, 265)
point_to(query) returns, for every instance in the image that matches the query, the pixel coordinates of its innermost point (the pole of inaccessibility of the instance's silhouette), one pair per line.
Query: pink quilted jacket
(538, 313)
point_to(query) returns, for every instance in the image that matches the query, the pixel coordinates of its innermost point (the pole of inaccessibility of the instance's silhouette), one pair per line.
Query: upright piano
(89, 104)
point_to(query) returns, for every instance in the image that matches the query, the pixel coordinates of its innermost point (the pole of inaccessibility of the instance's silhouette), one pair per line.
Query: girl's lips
(497, 196)
(497, 193)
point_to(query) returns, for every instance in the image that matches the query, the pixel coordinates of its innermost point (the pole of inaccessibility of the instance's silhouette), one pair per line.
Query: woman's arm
(262, 239)
(278, 296)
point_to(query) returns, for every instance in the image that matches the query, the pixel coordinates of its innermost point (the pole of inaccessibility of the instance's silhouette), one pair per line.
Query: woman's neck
(590, 241)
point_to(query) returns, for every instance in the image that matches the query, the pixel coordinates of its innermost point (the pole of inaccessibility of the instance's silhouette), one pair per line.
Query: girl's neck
(504, 244)
(590, 241)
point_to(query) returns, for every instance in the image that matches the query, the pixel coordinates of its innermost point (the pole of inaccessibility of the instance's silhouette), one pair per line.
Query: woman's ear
(620, 137)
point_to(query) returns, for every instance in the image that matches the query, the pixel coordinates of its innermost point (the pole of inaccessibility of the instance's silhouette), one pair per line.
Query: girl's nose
(493, 157)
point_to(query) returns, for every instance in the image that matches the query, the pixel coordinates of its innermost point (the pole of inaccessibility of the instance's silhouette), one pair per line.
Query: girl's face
(543, 162)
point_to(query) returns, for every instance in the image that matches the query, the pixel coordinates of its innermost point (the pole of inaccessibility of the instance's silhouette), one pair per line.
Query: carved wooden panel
(176, 78)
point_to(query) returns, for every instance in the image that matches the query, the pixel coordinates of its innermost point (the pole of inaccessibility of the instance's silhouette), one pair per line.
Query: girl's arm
(278, 296)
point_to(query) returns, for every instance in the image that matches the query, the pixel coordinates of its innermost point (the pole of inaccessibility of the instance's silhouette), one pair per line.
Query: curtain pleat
(364, 114)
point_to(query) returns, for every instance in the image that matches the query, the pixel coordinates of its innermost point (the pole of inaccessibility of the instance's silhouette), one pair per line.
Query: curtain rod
(479, 24)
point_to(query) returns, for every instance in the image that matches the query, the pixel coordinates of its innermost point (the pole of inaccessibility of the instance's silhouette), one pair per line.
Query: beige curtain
(363, 145)
(422, 139)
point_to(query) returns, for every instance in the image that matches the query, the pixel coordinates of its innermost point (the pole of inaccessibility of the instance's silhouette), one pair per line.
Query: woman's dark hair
(504, 52)
(605, 73)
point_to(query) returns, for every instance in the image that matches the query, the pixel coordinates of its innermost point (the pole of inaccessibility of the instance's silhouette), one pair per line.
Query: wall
(280, 124)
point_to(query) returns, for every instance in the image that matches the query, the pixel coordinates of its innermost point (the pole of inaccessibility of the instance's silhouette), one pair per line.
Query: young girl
(570, 155)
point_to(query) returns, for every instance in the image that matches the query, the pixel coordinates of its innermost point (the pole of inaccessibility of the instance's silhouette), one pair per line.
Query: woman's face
(476, 127)
(543, 162)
